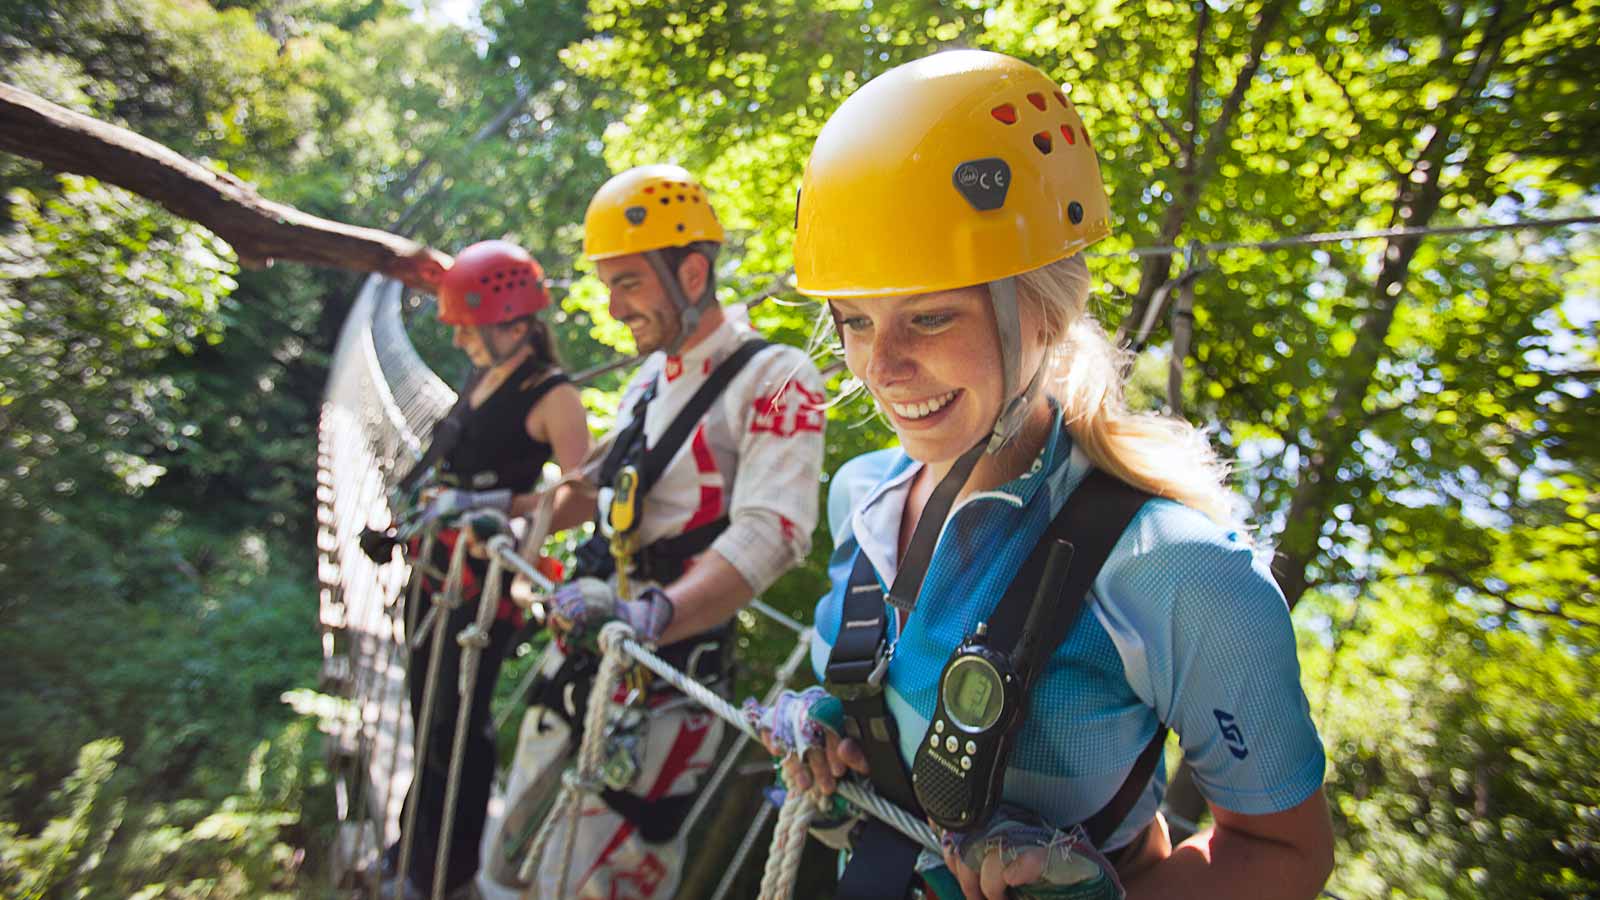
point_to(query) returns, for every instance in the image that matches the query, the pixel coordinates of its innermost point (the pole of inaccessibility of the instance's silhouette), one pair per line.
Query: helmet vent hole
(1006, 113)
(665, 200)
(1042, 141)
(1037, 99)
(680, 226)
(1066, 132)
(1061, 99)
(680, 198)
(649, 190)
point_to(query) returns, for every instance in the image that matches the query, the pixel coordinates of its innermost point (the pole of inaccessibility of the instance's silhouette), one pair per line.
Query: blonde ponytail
(1165, 456)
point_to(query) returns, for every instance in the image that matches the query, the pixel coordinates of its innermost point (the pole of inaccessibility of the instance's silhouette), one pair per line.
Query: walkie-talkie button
(933, 740)
(972, 746)
(966, 762)
(950, 743)
(938, 725)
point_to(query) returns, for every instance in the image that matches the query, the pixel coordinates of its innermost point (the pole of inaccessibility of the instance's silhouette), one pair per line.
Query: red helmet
(490, 282)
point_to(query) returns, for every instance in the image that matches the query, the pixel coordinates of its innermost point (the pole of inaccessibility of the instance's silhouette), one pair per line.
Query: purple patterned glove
(580, 608)
(789, 720)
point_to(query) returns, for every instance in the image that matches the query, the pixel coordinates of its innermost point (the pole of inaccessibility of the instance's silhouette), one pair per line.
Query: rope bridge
(380, 400)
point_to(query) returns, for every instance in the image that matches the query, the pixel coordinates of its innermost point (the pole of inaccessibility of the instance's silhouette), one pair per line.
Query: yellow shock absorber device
(624, 519)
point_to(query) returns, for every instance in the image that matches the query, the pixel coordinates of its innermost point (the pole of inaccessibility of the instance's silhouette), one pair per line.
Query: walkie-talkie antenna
(1057, 563)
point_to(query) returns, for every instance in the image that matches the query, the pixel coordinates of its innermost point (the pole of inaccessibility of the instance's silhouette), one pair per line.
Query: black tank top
(495, 450)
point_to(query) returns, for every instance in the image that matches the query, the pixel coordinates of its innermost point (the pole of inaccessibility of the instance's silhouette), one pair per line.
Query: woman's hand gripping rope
(1018, 854)
(803, 730)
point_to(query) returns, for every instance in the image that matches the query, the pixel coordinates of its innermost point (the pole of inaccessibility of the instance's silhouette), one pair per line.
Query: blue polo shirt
(1185, 626)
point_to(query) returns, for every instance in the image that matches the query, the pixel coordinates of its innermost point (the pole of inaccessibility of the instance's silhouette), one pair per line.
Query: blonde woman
(942, 218)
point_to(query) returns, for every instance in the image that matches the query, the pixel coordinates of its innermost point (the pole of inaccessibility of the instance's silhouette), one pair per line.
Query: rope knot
(575, 780)
(613, 634)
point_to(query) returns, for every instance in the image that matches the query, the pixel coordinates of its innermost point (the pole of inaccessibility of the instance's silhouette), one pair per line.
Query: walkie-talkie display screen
(970, 694)
(972, 698)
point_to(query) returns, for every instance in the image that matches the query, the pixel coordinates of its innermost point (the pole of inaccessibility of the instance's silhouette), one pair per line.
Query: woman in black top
(521, 410)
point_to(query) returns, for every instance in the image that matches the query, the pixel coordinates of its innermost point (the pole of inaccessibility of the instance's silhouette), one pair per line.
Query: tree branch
(1155, 270)
(258, 229)
(1172, 133)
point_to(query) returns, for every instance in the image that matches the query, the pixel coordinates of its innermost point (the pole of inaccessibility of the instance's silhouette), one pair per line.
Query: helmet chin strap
(919, 551)
(689, 312)
(1003, 299)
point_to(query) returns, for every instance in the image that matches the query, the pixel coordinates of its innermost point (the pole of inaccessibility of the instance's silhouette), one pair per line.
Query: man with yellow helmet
(942, 217)
(707, 494)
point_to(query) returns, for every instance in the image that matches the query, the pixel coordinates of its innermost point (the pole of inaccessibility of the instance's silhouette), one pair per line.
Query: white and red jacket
(756, 456)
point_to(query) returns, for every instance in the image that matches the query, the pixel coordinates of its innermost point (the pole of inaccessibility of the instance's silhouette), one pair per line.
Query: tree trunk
(1417, 200)
(259, 230)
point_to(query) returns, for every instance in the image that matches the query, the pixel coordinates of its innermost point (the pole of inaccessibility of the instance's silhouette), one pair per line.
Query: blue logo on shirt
(1231, 734)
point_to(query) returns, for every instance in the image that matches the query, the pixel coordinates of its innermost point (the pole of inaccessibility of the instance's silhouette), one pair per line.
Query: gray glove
(451, 502)
(1074, 869)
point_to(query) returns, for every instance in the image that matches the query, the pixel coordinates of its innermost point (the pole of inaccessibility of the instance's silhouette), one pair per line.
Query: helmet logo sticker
(634, 215)
(983, 182)
(474, 299)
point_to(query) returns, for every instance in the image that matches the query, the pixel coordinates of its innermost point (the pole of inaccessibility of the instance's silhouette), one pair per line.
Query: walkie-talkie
(983, 699)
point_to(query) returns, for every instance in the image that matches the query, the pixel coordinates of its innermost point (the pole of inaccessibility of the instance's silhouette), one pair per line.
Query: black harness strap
(859, 659)
(594, 556)
(1092, 521)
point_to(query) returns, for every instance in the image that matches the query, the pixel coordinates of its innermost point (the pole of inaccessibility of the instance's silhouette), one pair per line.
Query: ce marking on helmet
(987, 181)
(983, 182)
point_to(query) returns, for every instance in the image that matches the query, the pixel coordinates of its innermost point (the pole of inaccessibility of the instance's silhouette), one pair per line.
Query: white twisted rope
(788, 842)
(473, 639)
(449, 597)
(591, 754)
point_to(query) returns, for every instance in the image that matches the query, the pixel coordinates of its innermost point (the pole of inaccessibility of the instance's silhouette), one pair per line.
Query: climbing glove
(796, 721)
(378, 543)
(580, 608)
(1072, 869)
(452, 502)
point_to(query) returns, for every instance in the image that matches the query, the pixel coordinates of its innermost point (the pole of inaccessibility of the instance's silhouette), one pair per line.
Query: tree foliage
(1411, 418)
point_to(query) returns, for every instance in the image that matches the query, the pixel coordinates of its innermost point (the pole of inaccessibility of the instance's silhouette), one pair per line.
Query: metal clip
(881, 667)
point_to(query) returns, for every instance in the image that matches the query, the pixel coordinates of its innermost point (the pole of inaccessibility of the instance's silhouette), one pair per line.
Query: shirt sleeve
(1220, 664)
(779, 425)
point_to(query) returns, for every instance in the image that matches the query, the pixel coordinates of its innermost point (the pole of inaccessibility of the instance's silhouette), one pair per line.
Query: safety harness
(883, 861)
(702, 657)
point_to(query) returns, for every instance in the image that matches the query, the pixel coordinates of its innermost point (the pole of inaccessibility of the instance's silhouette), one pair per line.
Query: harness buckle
(846, 680)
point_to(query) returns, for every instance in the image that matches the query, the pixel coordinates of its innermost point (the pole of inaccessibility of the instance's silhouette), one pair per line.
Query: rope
(788, 843)
(854, 791)
(783, 284)
(1334, 237)
(745, 846)
(591, 755)
(450, 597)
(780, 681)
(472, 639)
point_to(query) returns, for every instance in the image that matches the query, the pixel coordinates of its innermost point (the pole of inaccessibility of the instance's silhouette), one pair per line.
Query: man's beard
(663, 330)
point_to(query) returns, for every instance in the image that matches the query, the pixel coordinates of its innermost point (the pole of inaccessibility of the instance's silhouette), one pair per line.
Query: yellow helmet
(648, 208)
(961, 168)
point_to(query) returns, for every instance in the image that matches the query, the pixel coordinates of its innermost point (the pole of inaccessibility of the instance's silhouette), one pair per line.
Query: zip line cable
(779, 285)
(778, 282)
(1334, 237)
